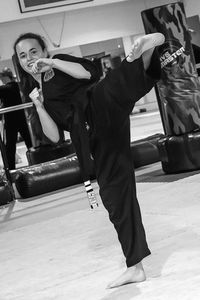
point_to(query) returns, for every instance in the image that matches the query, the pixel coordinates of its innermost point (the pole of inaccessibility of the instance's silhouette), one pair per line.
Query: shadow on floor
(160, 176)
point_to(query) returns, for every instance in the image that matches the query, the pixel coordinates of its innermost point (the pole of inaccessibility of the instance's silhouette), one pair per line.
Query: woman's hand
(42, 65)
(36, 97)
(49, 127)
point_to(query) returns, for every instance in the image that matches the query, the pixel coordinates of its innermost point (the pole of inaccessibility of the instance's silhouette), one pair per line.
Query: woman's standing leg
(116, 179)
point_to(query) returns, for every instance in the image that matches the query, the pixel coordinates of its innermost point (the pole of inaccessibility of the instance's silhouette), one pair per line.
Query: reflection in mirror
(12, 122)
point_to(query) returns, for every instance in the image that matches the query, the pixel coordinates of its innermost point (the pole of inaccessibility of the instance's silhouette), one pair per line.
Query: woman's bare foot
(131, 275)
(145, 43)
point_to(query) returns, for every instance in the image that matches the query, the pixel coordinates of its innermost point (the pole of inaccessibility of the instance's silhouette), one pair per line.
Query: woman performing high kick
(69, 96)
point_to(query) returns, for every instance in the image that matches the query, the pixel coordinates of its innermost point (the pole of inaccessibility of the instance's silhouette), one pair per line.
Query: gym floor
(54, 246)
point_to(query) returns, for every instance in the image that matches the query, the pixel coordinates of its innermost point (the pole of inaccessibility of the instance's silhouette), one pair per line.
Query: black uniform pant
(111, 103)
(14, 124)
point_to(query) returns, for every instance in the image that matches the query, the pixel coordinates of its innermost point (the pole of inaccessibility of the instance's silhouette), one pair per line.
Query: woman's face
(28, 51)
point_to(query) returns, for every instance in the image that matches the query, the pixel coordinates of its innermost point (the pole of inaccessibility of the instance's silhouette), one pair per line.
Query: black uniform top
(65, 99)
(62, 91)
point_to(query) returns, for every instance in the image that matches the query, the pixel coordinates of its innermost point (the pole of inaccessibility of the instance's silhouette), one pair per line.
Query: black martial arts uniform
(14, 121)
(105, 106)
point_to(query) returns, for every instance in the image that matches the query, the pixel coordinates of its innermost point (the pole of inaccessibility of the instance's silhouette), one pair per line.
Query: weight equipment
(178, 90)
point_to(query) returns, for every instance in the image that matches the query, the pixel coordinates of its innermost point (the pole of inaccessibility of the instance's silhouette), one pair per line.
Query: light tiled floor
(54, 247)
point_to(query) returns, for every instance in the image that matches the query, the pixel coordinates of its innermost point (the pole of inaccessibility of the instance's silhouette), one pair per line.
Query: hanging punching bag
(178, 90)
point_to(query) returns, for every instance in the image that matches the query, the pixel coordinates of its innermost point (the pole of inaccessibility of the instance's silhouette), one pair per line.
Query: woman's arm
(49, 127)
(73, 69)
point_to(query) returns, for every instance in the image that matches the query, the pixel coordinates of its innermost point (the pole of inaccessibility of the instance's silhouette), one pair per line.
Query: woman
(69, 96)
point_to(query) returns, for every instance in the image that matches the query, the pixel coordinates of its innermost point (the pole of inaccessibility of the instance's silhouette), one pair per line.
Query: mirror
(106, 55)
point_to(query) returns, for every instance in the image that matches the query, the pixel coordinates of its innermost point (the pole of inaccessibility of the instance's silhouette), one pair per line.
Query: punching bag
(178, 90)
(63, 172)
(6, 195)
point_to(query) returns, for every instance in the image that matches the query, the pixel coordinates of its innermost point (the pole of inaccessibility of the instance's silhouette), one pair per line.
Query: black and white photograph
(99, 150)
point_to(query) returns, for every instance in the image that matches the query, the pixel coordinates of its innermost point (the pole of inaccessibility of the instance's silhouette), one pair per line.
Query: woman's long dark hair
(27, 83)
